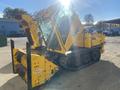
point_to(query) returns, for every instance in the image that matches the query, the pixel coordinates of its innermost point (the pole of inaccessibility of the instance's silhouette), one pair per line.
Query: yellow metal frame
(41, 68)
(78, 38)
(29, 23)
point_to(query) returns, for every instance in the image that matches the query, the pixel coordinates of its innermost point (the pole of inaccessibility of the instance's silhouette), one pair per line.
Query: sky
(100, 9)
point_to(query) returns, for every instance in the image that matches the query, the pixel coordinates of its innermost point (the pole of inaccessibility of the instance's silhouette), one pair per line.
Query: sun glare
(65, 3)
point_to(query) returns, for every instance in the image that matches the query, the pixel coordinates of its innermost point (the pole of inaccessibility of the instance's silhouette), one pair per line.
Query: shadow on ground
(6, 69)
(103, 75)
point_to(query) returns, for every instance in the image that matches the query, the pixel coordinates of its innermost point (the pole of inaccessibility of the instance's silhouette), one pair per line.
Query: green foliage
(12, 13)
(89, 19)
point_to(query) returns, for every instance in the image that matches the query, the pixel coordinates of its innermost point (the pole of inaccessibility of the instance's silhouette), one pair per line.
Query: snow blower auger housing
(56, 39)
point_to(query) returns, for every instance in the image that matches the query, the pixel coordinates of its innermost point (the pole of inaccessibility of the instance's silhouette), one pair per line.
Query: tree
(89, 19)
(12, 13)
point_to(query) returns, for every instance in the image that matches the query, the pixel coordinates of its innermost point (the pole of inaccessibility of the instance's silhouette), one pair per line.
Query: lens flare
(65, 3)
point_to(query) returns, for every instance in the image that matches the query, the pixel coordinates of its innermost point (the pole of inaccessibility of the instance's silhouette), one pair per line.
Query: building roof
(7, 20)
(114, 21)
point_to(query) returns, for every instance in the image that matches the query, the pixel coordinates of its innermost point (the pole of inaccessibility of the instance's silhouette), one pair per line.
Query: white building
(10, 27)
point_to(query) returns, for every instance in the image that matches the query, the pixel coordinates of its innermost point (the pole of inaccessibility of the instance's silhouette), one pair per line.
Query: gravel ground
(104, 75)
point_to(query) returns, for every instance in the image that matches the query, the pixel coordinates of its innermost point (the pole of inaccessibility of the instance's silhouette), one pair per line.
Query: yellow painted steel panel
(42, 70)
